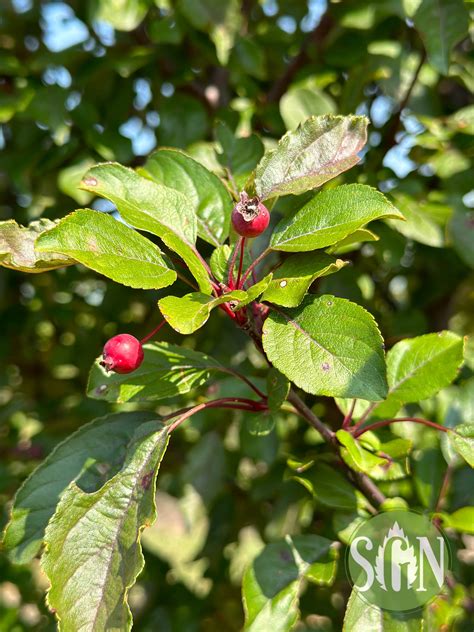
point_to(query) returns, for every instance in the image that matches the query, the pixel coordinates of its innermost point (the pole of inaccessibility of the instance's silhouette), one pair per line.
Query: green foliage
(355, 128)
(101, 243)
(328, 346)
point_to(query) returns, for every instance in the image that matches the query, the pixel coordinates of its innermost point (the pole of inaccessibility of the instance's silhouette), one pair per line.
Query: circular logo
(398, 560)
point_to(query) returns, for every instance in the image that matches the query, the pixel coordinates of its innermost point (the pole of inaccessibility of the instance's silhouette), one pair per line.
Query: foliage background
(83, 82)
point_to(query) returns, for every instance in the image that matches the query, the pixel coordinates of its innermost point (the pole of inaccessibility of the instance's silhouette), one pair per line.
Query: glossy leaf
(209, 197)
(360, 617)
(418, 368)
(462, 440)
(331, 216)
(109, 247)
(328, 346)
(329, 487)
(319, 149)
(278, 388)
(355, 455)
(17, 247)
(461, 520)
(190, 312)
(166, 371)
(292, 280)
(93, 554)
(152, 207)
(90, 455)
(272, 583)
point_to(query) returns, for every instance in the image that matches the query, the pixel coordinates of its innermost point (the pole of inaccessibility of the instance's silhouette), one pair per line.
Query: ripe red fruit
(122, 354)
(250, 217)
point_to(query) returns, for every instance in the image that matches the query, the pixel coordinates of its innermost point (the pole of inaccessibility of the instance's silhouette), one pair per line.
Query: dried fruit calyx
(250, 217)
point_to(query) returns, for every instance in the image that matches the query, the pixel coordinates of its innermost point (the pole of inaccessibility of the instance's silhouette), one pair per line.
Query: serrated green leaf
(92, 454)
(441, 24)
(209, 197)
(109, 247)
(152, 207)
(319, 149)
(292, 280)
(278, 388)
(361, 617)
(328, 346)
(331, 216)
(462, 440)
(418, 368)
(190, 312)
(272, 583)
(329, 487)
(17, 247)
(219, 262)
(355, 455)
(166, 371)
(93, 553)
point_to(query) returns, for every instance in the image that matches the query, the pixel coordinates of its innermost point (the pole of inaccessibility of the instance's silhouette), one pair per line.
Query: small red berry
(250, 217)
(122, 354)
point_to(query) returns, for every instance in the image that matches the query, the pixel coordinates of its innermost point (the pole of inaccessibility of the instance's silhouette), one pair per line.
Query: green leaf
(441, 24)
(278, 388)
(17, 247)
(302, 101)
(123, 15)
(209, 197)
(462, 440)
(292, 280)
(331, 216)
(70, 178)
(220, 19)
(352, 241)
(418, 368)
(92, 454)
(219, 262)
(356, 457)
(108, 246)
(328, 346)
(260, 425)
(93, 554)
(461, 520)
(152, 207)
(166, 371)
(461, 228)
(254, 291)
(319, 149)
(239, 155)
(329, 487)
(190, 312)
(424, 221)
(271, 585)
(360, 617)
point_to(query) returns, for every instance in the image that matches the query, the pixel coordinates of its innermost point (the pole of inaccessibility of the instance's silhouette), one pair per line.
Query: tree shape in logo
(403, 554)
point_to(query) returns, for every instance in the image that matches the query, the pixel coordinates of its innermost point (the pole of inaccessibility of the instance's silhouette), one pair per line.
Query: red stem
(254, 264)
(241, 262)
(152, 333)
(230, 277)
(348, 418)
(358, 431)
(237, 403)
